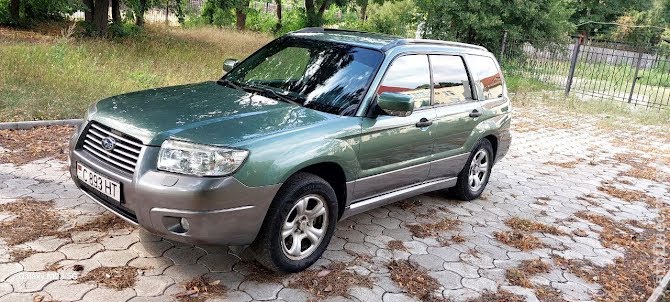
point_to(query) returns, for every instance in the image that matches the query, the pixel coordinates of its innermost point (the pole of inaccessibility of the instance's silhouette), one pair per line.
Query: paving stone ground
(524, 184)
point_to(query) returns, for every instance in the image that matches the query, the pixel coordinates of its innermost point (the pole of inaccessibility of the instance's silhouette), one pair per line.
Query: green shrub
(261, 21)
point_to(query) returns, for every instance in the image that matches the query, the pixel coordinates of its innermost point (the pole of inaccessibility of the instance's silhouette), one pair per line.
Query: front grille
(123, 156)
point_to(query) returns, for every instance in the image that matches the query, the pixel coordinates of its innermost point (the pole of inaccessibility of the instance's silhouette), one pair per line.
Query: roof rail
(400, 42)
(323, 30)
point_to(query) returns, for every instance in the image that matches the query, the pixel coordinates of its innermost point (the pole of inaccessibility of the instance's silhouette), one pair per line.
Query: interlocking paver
(68, 290)
(521, 185)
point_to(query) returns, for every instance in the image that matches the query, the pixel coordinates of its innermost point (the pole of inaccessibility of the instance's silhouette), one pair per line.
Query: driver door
(395, 151)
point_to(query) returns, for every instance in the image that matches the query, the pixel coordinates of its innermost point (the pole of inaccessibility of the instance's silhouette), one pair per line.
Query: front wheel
(473, 178)
(298, 226)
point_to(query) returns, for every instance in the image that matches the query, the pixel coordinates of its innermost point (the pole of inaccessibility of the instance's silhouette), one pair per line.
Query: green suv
(314, 127)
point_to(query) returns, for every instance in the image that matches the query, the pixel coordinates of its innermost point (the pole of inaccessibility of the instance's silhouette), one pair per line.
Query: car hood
(206, 113)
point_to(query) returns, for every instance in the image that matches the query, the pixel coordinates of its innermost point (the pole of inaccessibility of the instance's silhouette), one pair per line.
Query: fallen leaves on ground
(32, 219)
(634, 276)
(628, 195)
(396, 245)
(414, 279)
(521, 224)
(20, 254)
(433, 229)
(113, 277)
(24, 146)
(568, 165)
(333, 280)
(521, 240)
(103, 223)
(500, 296)
(200, 289)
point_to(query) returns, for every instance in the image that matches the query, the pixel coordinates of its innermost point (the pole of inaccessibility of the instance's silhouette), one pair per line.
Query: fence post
(573, 64)
(504, 43)
(637, 69)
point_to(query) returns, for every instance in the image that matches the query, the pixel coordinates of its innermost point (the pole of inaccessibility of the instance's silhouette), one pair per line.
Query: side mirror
(229, 64)
(396, 104)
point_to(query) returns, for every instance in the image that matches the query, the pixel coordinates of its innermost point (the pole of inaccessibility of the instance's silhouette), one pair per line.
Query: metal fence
(594, 69)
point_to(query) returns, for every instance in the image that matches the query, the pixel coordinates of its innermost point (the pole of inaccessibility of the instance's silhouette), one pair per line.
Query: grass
(44, 76)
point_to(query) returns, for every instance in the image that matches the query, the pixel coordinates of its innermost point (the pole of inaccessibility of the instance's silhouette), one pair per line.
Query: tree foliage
(588, 12)
(483, 22)
(24, 12)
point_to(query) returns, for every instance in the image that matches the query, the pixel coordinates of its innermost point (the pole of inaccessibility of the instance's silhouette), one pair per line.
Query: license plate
(103, 184)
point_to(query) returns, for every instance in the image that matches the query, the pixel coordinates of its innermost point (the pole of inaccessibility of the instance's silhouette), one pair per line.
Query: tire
(292, 213)
(470, 185)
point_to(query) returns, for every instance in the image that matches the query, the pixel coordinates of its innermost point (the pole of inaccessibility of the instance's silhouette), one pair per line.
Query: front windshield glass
(324, 76)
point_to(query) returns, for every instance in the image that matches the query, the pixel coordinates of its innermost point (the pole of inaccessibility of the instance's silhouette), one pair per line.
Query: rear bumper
(220, 211)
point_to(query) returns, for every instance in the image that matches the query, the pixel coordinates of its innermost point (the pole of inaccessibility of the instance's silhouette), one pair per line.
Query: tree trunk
(322, 10)
(278, 25)
(310, 10)
(364, 11)
(116, 11)
(88, 11)
(139, 15)
(101, 17)
(15, 11)
(241, 15)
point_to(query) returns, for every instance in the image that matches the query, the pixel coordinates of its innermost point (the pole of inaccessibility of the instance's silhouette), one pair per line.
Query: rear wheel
(474, 177)
(298, 226)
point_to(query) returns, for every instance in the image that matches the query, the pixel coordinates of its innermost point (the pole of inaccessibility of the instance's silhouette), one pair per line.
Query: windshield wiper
(274, 93)
(231, 84)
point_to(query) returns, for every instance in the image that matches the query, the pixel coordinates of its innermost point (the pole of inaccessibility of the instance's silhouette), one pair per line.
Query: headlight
(201, 160)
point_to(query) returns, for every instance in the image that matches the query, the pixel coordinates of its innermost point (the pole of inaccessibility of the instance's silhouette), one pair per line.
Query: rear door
(457, 114)
(396, 151)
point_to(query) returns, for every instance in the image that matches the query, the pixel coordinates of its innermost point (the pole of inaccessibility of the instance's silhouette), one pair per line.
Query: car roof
(377, 41)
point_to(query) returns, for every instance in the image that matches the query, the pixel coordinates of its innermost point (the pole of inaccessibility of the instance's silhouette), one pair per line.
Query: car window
(451, 84)
(409, 75)
(490, 80)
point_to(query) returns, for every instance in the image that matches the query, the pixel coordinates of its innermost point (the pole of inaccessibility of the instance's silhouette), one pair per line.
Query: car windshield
(324, 76)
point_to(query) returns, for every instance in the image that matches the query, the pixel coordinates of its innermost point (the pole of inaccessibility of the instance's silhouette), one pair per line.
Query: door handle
(424, 122)
(475, 113)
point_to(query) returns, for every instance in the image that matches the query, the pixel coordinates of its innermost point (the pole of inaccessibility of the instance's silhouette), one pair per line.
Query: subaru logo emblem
(108, 143)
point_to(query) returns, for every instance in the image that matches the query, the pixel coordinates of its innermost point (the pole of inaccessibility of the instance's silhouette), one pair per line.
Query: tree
(101, 16)
(279, 16)
(589, 11)
(241, 14)
(314, 16)
(483, 22)
(116, 11)
(364, 7)
(15, 11)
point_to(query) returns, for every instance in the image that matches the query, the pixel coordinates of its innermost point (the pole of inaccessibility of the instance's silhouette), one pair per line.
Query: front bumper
(220, 210)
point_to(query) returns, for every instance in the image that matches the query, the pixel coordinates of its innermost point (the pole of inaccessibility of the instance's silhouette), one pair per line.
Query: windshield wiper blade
(274, 93)
(231, 84)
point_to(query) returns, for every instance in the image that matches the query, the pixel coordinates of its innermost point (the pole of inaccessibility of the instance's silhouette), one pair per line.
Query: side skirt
(391, 197)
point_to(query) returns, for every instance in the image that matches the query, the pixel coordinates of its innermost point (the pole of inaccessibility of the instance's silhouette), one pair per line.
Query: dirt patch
(433, 229)
(32, 219)
(500, 296)
(521, 240)
(628, 195)
(333, 280)
(25, 146)
(414, 280)
(396, 245)
(201, 289)
(113, 277)
(526, 225)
